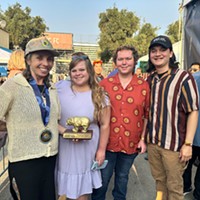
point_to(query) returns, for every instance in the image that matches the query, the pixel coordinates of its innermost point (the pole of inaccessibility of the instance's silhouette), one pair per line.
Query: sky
(81, 17)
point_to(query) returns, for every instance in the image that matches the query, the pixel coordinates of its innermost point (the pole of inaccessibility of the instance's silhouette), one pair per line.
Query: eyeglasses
(81, 57)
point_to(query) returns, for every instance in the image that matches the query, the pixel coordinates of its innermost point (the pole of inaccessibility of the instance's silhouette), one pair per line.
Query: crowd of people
(127, 113)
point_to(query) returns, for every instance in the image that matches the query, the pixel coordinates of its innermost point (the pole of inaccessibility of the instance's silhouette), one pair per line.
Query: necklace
(42, 92)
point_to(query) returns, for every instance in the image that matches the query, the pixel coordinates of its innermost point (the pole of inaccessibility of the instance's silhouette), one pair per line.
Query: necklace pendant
(44, 99)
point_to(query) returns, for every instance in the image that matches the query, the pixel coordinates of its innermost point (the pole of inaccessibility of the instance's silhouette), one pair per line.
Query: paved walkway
(141, 184)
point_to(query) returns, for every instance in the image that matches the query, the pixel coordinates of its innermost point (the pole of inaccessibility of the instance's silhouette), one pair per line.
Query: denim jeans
(120, 163)
(187, 176)
(196, 191)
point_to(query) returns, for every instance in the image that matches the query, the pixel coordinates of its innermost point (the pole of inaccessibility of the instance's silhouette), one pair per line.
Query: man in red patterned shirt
(129, 97)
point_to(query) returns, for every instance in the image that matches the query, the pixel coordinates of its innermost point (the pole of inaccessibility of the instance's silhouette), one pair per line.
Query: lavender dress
(74, 176)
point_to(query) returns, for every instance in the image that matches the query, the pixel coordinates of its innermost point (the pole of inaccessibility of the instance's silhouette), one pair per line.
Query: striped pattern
(172, 98)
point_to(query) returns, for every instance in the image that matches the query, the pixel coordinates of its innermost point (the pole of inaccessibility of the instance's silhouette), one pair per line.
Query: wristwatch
(188, 144)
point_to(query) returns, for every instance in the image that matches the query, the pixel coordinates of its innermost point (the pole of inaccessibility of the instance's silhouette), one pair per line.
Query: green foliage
(106, 55)
(123, 28)
(174, 31)
(21, 26)
(144, 37)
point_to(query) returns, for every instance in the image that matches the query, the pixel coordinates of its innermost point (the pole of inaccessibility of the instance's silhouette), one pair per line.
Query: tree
(115, 27)
(21, 26)
(174, 31)
(123, 28)
(142, 40)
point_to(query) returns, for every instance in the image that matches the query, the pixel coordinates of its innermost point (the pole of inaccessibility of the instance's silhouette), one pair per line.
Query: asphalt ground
(141, 184)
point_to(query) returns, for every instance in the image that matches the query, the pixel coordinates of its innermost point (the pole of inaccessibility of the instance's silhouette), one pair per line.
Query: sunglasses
(82, 57)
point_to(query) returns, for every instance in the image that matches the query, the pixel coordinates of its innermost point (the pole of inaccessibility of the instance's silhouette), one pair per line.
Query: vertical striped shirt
(173, 97)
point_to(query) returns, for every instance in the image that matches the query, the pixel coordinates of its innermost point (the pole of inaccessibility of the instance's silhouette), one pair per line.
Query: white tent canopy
(4, 56)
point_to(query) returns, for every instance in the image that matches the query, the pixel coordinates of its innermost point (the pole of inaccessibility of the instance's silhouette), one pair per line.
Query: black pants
(34, 179)
(187, 176)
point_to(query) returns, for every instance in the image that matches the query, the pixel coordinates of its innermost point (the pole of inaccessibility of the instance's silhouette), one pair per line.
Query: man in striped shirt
(172, 119)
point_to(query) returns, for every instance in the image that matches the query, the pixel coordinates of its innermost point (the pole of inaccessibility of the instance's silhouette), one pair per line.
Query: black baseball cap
(161, 40)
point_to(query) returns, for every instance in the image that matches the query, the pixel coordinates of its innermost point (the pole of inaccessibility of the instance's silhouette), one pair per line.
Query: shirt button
(120, 138)
(121, 114)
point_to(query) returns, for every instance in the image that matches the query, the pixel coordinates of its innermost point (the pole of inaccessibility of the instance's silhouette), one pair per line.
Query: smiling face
(160, 58)
(98, 68)
(40, 62)
(125, 62)
(79, 74)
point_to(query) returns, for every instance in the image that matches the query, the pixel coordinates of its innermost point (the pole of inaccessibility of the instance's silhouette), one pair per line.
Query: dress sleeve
(107, 101)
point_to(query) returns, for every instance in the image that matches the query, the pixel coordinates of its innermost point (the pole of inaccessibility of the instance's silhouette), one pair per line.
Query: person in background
(97, 64)
(2, 80)
(173, 116)
(138, 72)
(113, 72)
(16, 63)
(31, 110)
(129, 96)
(187, 176)
(194, 67)
(3, 129)
(81, 96)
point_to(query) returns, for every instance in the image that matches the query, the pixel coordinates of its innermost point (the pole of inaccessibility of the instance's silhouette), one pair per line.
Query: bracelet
(188, 144)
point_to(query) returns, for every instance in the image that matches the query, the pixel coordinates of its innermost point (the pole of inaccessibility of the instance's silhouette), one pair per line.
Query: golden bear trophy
(80, 130)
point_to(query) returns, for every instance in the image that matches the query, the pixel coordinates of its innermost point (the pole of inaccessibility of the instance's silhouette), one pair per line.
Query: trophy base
(69, 134)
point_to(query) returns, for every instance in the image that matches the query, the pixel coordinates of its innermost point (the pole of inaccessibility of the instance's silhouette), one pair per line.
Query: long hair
(16, 60)
(27, 72)
(98, 94)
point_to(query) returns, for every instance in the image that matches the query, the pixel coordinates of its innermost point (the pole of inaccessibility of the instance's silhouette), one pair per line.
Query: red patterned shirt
(129, 107)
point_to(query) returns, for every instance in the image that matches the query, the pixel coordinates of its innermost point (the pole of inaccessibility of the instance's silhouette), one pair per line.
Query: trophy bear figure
(79, 123)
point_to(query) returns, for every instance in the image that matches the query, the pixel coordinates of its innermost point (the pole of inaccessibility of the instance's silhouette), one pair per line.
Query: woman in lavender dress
(81, 96)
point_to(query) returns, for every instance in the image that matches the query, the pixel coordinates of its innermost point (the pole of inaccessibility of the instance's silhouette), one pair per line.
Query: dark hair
(27, 72)
(195, 63)
(172, 62)
(131, 48)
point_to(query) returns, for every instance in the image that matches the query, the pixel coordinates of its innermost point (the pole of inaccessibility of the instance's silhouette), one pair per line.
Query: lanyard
(44, 105)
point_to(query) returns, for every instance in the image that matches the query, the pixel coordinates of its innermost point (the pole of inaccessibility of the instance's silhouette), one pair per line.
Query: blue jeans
(187, 176)
(120, 163)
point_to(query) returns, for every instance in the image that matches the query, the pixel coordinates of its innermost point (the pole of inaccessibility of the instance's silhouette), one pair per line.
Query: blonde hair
(16, 61)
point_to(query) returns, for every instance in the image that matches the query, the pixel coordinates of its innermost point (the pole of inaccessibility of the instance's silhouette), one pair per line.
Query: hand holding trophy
(80, 129)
